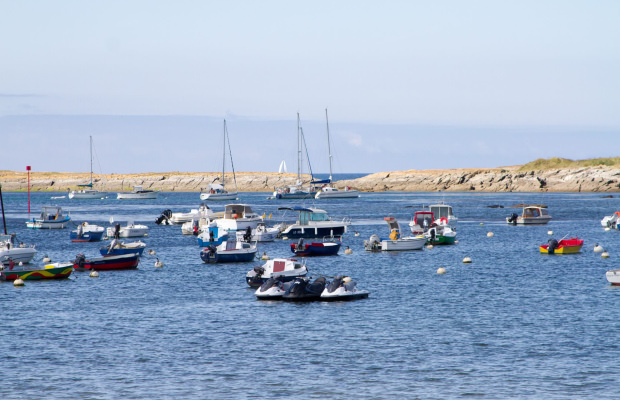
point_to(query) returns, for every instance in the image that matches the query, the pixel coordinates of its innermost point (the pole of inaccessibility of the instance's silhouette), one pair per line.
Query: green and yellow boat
(48, 271)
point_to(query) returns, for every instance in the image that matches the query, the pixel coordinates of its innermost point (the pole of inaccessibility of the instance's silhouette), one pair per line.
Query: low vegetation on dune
(561, 163)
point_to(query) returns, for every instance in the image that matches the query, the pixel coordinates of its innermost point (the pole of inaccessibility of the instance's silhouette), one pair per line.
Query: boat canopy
(392, 223)
(216, 186)
(441, 211)
(86, 185)
(423, 219)
(298, 209)
(321, 182)
(236, 209)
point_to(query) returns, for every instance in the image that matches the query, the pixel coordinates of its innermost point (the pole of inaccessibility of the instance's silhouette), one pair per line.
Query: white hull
(338, 194)
(407, 243)
(87, 195)
(268, 235)
(342, 294)
(47, 224)
(239, 224)
(531, 220)
(129, 232)
(219, 196)
(138, 196)
(18, 254)
(613, 277)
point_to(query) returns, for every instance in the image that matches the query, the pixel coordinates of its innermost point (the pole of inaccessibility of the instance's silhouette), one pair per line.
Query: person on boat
(300, 244)
(11, 264)
(195, 229)
(117, 231)
(394, 235)
(211, 236)
(247, 236)
(79, 231)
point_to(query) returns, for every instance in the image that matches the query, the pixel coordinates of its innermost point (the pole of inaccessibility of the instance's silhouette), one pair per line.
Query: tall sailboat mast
(224, 156)
(298, 152)
(329, 148)
(91, 162)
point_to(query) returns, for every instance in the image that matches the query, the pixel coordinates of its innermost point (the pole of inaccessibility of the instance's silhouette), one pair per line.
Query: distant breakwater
(507, 179)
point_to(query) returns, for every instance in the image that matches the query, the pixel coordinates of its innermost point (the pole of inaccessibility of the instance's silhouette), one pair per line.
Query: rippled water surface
(513, 324)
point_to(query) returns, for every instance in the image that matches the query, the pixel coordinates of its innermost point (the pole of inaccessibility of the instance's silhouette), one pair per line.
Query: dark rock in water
(495, 206)
(608, 197)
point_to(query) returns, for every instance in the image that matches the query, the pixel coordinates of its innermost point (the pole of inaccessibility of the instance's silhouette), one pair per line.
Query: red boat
(564, 246)
(125, 261)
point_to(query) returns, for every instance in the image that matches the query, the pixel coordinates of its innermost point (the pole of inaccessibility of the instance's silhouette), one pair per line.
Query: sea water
(512, 324)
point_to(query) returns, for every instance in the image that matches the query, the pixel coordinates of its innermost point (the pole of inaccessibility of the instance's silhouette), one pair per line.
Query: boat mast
(91, 162)
(329, 149)
(232, 164)
(298, 152)
(2, 205)
(224, 156)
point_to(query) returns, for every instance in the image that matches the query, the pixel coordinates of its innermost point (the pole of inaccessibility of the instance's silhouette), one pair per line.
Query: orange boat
(564, 246)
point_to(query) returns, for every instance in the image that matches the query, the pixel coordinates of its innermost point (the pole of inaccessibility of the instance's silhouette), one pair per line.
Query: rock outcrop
(507, 179)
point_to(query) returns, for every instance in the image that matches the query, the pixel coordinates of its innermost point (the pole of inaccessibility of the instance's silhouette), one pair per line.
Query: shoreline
(595, 179)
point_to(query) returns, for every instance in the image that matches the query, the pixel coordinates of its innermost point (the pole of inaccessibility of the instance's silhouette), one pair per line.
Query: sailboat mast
(329, 148)
(91, 162)
(224, 156)
(298, 152)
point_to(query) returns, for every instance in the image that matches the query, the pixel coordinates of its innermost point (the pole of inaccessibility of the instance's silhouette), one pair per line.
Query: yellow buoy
(467, 260)
(605, 254)
(430, 247)
(481, 223)
(490, 234)
(94, 274)
(348, 250)
(441, 270)
(18, 282)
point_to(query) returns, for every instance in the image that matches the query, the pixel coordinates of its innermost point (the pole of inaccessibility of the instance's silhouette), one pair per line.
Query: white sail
(282, 167)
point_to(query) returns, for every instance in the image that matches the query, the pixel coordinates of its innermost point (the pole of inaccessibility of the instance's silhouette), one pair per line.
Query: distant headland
(553, 175)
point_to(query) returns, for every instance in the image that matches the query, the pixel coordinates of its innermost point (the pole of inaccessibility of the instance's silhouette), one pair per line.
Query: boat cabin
(424, 219)
(309, 215)
(51, 213)
(534, 212)
(235, 211)
(441, 211)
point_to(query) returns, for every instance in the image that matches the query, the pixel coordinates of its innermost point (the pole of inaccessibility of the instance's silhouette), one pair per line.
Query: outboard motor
(164, 217)
(553, 244)
(433, 234)
(513, 219)
(247, 236)
(117, 231)
(80, 259)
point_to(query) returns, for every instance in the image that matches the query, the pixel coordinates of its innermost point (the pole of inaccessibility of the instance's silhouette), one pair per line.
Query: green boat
(437, 232)
(49, 271)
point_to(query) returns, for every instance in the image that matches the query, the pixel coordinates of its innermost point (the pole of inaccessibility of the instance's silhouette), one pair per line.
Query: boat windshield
(543, 211)
(441, 211)
(319, 217)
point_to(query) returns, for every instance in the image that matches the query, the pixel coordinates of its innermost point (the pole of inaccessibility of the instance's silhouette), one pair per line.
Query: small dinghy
(127, 261)
(303, 290)
(285, 268)
(613, 277)
(611, 221)
(342, 288)
(86, 232)
(273, 289)
(564, 246)
(48, 271)
(229, 251)
(329, 247)
(128, 231)
(118, 248)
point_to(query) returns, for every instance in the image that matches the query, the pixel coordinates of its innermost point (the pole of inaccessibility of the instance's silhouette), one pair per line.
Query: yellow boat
(564, 246)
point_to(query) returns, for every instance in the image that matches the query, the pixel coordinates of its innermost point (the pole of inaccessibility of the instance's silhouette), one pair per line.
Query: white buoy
(441, 270)
(598, 248)
(21, 264)
(46, 259)
(549, 232)
(490, 234)
(357, 234)
(456, 241)
(607, 229)
(94, 274)
(18, 282)
(605, 254)
(430, 246)
(265, 257)
(482, 223)
(158, 264)
(348, 250)
(467, 260)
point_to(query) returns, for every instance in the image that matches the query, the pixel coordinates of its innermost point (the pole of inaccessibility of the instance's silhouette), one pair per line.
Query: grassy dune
(560, 163)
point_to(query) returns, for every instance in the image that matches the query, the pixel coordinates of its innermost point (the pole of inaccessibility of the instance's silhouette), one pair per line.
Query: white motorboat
(229, 251)
(611, 221)
(328, 191)
(342, 288)
(195, 214)
(217, 191)
(262, 233)
(51, 218)
(395, 242)
(531, 215)
(137, 193)
(88, 193)
(286, 268)
(18, 252)
(128, 231)
(313, 223)
(613, 277)
(436, 230)
(237, 217)
(443, 214)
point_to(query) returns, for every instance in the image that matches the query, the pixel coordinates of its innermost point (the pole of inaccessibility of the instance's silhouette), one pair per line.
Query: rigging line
(98, 164)
(303, 138)
(232, 165)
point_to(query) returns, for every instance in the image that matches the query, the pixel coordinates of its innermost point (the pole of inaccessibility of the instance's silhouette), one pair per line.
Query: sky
(408, 84)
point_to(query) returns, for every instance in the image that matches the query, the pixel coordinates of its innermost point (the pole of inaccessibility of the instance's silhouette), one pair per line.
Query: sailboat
(295, 191)
(88, 193)
(328, 191)
(218, 191)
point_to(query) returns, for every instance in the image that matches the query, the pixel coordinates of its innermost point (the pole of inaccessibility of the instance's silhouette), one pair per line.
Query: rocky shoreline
(507, 179)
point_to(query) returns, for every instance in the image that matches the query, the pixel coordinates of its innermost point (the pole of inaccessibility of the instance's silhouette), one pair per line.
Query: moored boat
(89, 193)
(285, 268)
(217, 191)
(229, 251)
(126, 261)
(18, 252)
(328, 247)
(128, 231)
(179, 218)
(611, 221)
(138, 193)
(86, 232)
(564, 246)
(237, 217)
(531, 215)
(436, 230)
(613, 277)
(273, 288)
(343, 288)
(118, 248)
(313, 223)
(303, 290)
(51, 217)
(262, 233)
(48, 271)
(395, 242)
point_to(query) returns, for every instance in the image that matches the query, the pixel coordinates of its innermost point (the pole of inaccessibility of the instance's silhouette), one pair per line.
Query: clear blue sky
(408, 84)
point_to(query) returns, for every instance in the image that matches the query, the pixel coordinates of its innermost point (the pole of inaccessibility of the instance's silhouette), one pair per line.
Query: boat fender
(553, 244)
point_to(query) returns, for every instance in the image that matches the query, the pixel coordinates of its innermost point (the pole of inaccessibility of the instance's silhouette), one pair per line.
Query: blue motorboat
(229, 251)
(212, 236)
(86, 232)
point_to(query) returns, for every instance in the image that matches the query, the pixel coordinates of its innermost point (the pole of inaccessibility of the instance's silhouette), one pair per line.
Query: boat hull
(129, 232)
(87, 195)
(403, 244)
(219, 196)
(442, 240)
(41, 224)
(228, 256)
(346, 296)
(338, 194)
(106, 252)
(316, 249)
(293, 196)
(307, 232)
(136, 196)
(544, 249)
(50, 271)
(531, 221)
(613, 277)
(128, 261)
(88, 236)
(18, 254)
